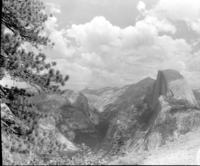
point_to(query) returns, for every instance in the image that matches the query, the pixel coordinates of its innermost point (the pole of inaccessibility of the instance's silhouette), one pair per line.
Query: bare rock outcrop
(174, 108)
(170, 83)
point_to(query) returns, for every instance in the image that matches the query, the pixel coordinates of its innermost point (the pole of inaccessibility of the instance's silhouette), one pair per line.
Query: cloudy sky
(102, 43)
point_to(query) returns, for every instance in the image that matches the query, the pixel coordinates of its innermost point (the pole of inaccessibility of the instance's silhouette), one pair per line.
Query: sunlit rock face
(172, 84)
(6, 112)
(49, 125)
(167, 109)
(173, 119)
(174, 109)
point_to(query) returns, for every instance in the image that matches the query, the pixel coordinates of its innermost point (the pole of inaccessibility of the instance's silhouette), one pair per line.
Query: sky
(101, 43)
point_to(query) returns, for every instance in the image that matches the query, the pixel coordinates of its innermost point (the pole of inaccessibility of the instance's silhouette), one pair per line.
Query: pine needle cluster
(22, 22)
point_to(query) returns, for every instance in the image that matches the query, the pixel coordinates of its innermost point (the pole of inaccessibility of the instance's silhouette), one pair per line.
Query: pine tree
(24, 19)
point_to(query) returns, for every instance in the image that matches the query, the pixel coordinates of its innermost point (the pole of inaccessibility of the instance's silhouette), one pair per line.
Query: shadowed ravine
(93, 140)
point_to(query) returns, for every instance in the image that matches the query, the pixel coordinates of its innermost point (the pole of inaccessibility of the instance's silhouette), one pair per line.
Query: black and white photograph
(100, 82)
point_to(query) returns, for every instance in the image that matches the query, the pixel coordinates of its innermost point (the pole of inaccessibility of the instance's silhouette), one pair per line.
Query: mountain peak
(147, 79)
(170, 83)
(170, 75)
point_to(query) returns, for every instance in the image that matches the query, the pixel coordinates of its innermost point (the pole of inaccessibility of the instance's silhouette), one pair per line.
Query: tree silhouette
(22, 22)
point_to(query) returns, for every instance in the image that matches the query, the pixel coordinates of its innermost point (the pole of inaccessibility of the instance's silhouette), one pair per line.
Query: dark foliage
(23, 22)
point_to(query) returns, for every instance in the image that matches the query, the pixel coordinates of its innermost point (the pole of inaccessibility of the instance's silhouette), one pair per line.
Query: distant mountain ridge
(139, 104)
(99, 91)
(142, 106)
(103, 98)
(150, 112)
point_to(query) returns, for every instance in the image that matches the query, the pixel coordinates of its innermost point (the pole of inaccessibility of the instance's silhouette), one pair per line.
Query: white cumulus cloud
(107, 55)
(141, 6)
(185, 10)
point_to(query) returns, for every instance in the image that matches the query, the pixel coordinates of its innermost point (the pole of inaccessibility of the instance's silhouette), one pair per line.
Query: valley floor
(184, 151)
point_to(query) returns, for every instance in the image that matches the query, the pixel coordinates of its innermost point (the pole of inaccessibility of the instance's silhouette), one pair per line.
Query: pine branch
(25, 21)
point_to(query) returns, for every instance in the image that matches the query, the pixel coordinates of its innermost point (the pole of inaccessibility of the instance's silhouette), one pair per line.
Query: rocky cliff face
(74, 116)
(197, 96)
(174, 109)
(170, 83)
(119, 110)
(153, 112)
(80, 102)
(173, 119)
(72, 106)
